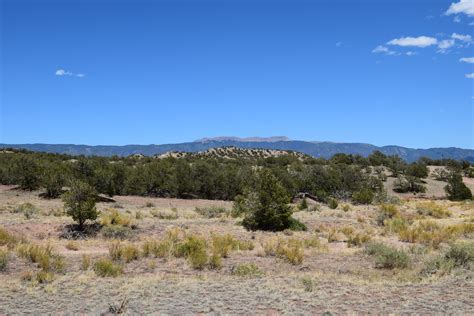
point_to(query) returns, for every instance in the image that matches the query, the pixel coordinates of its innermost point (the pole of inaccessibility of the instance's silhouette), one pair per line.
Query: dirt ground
(332, 278)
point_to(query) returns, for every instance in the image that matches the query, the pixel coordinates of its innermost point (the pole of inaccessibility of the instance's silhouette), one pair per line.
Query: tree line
(341, 177)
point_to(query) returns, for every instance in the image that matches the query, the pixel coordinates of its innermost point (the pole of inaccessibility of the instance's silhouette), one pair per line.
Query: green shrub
(272, 211)
(247, 270)
(404, 184)
(106, 268)
(198, 259)
(387, 257)
(53, 182)
(303, 204)
(296, 225)
(307, 284)
(461, 254)
(456, 190)
(364, 196)
(458, 255)
(332, 203)
(79, 203)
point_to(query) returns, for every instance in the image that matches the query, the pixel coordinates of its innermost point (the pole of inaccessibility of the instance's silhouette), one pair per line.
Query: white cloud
(470, 76)
(410, 53)
(444, 45)
(383, 50)
(463, 6)
(62, 72)
(464, 38)
(457, 19)
(469, 60)
(421, 41)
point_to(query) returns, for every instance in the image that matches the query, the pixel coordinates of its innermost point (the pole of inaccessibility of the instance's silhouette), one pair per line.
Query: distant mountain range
(315, 149)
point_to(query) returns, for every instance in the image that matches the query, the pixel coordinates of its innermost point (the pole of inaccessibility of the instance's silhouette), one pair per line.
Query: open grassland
(172, 256)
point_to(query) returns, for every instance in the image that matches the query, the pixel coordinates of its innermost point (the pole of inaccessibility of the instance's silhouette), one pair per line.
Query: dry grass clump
(116, 225)
(27, 209)
(212, 211)
(158, 249)
(387, 257)
(247, 270)
(7, 238)
(127, 252)
(346, 207)
(193, 248)
(164, 214)
(4, 258)
(105, 267)
(308, 284)
(44, 256)
(386, 212)
(290, 250)
(358, 239)
(314, 242)
(222, 245)
(432, 209)
(85, 262)
(429, 233)
(114, 217)
(72, 245)
(396, 224)
(43, 277)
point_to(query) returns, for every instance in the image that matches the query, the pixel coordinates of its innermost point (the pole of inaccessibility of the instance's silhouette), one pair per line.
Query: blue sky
(142, 72)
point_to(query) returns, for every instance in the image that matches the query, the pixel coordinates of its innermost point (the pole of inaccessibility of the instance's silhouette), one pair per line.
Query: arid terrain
(329, 271)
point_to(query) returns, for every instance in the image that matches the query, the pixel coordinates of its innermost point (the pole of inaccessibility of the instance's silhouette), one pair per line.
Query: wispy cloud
(62, 72)
(444, 45)
(420, 41)
(383, 50)
(463, 6)
(463, 38)
(469, 60)
(470, 76)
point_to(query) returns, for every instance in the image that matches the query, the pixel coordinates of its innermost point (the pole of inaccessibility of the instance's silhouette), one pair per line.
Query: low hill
(234, 153)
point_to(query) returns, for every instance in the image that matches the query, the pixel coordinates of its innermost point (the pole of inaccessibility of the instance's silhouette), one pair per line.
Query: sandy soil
(344, 280)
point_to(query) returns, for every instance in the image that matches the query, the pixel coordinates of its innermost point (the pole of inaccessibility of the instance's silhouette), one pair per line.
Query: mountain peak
(244, 139)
